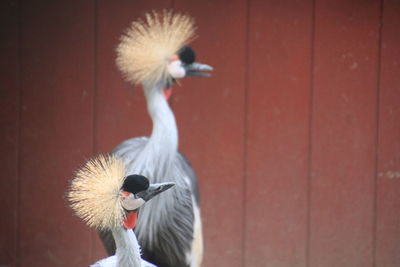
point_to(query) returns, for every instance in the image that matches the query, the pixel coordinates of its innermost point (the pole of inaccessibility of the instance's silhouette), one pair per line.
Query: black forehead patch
(135, 183)
(187, 55)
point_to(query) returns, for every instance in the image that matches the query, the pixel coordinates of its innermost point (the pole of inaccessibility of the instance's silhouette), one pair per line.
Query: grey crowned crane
(104, 198)
(154, 53)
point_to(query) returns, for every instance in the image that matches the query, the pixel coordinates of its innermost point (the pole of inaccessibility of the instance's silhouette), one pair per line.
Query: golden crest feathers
(94, 194)
(148, 46)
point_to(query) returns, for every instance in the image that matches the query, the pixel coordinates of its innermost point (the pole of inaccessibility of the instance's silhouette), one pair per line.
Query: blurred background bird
(104, 198)
(154, 53)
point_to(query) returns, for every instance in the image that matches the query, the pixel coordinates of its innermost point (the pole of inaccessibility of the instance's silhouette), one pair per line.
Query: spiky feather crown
(94, 194)
(148, 46)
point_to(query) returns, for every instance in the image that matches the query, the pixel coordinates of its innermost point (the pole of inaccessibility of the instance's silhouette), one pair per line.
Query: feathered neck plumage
(128, 249)
(159, 152)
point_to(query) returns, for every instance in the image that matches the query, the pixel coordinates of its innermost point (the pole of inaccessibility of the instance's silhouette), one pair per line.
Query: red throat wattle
(167, 93)
(130, 221)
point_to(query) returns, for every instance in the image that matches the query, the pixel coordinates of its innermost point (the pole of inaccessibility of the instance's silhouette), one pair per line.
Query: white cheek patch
(131, 203)
(176, 70)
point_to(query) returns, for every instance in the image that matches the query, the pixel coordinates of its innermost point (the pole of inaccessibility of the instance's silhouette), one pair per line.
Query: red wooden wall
(295, 138)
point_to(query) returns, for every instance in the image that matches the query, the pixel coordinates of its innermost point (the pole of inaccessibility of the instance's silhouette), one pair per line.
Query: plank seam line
(17, 243)
(94, 108)
(245, 128)
(377, 124)
(310, 133)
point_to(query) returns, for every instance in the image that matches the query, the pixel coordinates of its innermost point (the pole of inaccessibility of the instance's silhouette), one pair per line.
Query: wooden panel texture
(344, 133)
(280, 35)
(9, 123)
(56, 128)
(210, 117)
(295, 137)
(388, 186)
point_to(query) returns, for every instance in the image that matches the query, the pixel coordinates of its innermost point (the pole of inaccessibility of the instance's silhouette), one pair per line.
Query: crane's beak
(196, 70)
(153, 190)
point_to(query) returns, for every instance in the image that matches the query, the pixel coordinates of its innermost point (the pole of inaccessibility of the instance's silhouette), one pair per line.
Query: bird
(154, 53)
(105, 198)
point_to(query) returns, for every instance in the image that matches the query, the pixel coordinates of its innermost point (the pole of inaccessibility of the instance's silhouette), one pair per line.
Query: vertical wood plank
(210, 117)
(344, 133)
(120, 109)
(388, 186)
(9, 122)
(280, 35)
(56, 128)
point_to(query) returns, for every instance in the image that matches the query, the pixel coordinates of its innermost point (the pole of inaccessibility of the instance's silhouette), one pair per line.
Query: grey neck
(128, 249)
(160, 150)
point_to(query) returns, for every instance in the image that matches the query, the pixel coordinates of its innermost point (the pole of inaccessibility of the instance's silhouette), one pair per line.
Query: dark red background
(295, 138)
